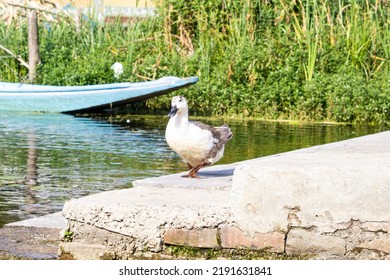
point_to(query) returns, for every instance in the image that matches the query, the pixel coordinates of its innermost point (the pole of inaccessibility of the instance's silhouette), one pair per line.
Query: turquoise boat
(71, 99)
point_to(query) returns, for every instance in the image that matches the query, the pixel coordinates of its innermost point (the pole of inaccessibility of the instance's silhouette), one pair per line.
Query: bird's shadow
(216, 173)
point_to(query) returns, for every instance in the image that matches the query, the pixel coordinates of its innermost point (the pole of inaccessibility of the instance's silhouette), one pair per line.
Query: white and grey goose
(198, 144)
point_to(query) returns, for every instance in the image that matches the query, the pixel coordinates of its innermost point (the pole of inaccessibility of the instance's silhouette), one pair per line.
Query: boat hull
(68, 99)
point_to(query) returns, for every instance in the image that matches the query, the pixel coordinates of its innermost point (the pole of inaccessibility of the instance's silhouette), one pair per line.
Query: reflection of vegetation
(10, 180)
(32, 156)
(301, 59)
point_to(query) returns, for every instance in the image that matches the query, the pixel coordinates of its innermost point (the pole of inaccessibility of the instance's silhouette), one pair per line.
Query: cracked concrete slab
(327, 185)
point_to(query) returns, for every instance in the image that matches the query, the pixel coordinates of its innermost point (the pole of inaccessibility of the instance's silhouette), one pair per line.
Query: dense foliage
(274, 59)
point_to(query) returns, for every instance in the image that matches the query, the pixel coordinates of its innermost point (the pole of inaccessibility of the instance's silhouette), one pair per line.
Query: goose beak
(173, 111)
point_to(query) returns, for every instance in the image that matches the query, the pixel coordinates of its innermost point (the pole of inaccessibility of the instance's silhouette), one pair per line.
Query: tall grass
(10, 67)
(301, 59)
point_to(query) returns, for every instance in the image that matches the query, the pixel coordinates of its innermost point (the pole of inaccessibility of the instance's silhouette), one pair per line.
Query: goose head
(179, 106)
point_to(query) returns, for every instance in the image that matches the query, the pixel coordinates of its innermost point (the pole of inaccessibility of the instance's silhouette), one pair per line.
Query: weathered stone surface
(29, 242)
(201, 238)
(233, 237)
(146, 213)
(301, 241)
(375, 226)
(381, 243)
(321, 186)
(82, 251)
(366, 254)
(358, 238)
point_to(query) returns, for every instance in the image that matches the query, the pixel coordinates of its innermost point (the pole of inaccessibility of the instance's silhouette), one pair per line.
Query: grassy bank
(273, 59)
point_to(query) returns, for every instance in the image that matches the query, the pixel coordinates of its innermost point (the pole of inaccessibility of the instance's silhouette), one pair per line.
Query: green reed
(301, 59)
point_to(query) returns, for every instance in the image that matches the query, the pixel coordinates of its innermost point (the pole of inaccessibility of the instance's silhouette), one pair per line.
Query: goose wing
(221, 135)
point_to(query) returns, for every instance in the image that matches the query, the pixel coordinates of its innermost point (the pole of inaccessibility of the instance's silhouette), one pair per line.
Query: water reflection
(47, 159)
(32, 156)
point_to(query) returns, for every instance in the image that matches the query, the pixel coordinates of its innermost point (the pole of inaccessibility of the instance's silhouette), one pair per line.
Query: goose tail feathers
(226, 133)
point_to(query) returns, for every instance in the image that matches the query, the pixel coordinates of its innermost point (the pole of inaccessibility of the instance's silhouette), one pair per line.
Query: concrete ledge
(328, 201)
(145, 216)
(314, 195)
(215, 177)
(307, 190)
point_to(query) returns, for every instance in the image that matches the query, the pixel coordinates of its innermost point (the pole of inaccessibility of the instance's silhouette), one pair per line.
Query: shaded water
(65, 157)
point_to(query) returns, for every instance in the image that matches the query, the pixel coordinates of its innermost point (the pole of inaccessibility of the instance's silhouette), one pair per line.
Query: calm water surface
(72, 157)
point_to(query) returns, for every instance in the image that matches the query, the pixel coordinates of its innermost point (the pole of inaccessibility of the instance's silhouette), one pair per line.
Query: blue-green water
(76, 156)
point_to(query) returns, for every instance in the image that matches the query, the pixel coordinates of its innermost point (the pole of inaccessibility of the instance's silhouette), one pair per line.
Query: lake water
(65, 157)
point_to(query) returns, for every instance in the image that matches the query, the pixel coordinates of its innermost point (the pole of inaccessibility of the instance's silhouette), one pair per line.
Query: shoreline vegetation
(302, 60)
